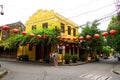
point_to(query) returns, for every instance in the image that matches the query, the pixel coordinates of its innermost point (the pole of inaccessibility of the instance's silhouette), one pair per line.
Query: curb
(116, 72)
(3, 72)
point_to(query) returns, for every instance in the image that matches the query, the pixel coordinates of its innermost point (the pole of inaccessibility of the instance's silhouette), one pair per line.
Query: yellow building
(50, 19)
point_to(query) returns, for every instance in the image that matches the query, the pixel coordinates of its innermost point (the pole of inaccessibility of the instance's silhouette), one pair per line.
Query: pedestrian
(55, 59)
(51, 58)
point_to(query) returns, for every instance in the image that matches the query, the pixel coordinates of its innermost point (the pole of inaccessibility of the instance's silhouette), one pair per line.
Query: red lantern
(113, 32)
(67, 45)
(96, 36)
(88, 37)
(105, 34)
(44, 36)
(74, 38)
(32, 35)
(15, 31)
(81, 38)
(62, 37)
(39, 36)
(68, 38)
(72, 45)
(5, 27)
(24, 33)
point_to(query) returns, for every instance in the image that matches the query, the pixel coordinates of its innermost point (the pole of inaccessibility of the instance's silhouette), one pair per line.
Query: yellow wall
(53, 19)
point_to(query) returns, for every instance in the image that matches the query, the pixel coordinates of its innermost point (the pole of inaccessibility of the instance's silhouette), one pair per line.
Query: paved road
(33, 71)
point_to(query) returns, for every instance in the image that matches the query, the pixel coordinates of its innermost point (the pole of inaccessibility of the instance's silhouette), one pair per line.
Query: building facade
(49, 19)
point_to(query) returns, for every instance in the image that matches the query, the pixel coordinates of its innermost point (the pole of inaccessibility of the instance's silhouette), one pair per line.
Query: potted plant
(23, 57)
(74, 58)
(67, 58)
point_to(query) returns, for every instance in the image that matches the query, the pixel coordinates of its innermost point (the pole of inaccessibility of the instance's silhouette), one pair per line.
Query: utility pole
(2, 13)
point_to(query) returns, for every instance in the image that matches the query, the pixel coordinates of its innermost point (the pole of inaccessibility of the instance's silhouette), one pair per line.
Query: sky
(78, 11)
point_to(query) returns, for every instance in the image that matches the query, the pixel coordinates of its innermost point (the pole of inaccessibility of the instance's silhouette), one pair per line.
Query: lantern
(24, 33)
(44, 36)
(81, 38)
(62, 37)
(105, 34)
(32, 35)
(74, 38)
(39, 36)
(88, 37)
(15, 31)
(5, 27)
(96, 36)
(113, 32)
(67, 45)
(68, 38)
(72, 45)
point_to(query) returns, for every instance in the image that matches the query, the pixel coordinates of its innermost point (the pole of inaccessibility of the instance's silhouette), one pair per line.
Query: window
(45, 25)
(62, 27)
(33, 27)
(74, 32)
(69, 30)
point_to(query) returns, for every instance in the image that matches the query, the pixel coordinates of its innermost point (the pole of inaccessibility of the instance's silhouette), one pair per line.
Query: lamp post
(2, 13)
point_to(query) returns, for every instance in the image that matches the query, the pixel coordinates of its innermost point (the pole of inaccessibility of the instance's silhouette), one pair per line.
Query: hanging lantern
(105, 34)
(72, 45)
(68, 38)
(39, 36)
(32, 35)
(67, 45)
(63, 38)
(15, 31)
(88, 37)
(44, 36)
(96, 36)
(74, 38)
(5, 27)
(24, 33)
(113, 32)
(81, 38)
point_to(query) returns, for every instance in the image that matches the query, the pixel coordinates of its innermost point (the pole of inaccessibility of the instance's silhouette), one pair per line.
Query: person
(55, 59)
(51, 58)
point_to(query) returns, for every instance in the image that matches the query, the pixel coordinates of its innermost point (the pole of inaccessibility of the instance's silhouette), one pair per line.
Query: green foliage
(74, 57)
(92, 44)
(113, 40)
(19, 39)
(67, 57)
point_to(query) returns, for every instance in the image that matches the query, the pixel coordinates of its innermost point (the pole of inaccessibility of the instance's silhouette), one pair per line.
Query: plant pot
(67, 61)
(74, 61)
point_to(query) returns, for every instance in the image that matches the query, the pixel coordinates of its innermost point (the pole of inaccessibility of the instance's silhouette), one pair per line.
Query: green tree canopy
(92, 44)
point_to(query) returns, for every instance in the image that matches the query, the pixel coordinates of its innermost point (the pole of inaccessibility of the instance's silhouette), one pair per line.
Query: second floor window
(45, 25)
(62, 27)
(33, 27)
(74, 32)
(69, 30)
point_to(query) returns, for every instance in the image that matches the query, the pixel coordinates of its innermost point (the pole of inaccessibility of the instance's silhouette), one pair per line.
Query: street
(34, 71)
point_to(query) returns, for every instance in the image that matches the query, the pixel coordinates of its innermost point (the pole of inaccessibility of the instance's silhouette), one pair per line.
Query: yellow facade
(54, 20)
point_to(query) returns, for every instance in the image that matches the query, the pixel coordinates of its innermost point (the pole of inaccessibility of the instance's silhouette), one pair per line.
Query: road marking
(95, 77)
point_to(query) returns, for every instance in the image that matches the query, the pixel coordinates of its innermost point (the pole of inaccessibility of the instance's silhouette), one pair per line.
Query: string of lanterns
(88, 37)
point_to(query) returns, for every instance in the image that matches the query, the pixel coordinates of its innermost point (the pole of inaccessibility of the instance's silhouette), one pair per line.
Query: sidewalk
(116, 69)
(43, 63)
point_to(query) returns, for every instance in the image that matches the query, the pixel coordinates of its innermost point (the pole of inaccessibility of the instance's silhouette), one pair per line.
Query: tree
(93, 43)
(113, 40)
(48, 37)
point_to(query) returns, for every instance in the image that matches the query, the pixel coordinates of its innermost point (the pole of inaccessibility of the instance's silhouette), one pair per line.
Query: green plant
(67, 57)
(74, 57)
